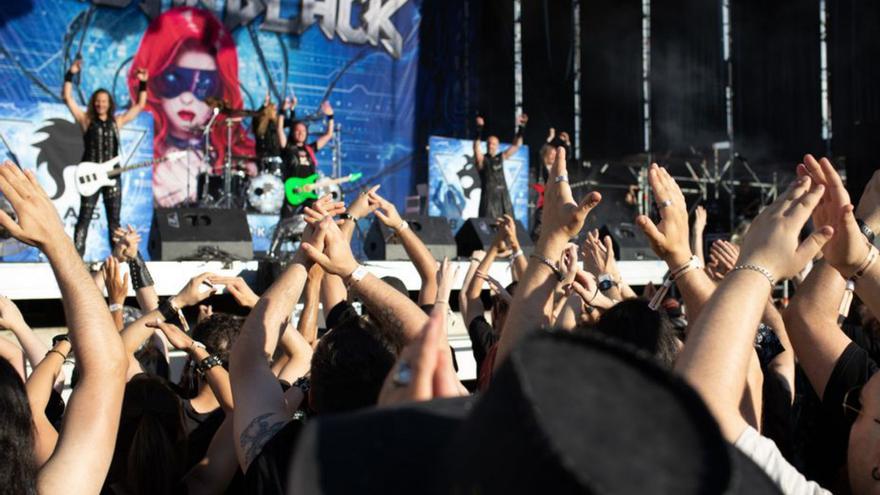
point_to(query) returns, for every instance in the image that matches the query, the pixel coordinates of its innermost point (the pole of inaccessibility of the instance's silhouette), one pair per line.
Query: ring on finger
(403, 375)
(560, 178)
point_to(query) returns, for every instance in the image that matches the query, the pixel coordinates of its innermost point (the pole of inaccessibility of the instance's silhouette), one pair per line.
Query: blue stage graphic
(42, 137)
(454, 183)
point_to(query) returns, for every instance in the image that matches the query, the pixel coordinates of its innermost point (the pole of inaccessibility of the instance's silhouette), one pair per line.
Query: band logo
(334, 17)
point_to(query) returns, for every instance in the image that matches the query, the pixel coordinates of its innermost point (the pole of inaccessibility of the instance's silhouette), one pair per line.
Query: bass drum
(333, 190)
(265, 193)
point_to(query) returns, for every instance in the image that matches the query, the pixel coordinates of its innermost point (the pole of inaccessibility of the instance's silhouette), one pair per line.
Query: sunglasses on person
(176, 80)
(852, 405)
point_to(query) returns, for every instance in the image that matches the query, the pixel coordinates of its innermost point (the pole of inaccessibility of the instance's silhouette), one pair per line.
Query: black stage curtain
(495, 67)
(777, 112)
(611, 93)
(687, 75)
(853, 53)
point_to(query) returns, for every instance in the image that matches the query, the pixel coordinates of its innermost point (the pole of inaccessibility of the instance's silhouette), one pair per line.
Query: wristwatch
(606, 282)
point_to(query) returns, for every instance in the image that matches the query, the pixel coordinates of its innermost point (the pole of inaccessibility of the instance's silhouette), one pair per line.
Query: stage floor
(34, 281)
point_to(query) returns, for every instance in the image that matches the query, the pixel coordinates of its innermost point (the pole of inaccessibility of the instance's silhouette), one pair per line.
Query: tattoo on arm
(257, 433)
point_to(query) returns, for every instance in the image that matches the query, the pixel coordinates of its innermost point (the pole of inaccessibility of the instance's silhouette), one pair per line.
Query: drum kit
(233, 187)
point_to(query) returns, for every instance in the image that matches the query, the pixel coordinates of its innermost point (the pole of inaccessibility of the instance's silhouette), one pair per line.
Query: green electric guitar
(300, 189)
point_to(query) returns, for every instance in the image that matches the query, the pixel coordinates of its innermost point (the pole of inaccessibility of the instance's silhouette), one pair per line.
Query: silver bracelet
(760, 269)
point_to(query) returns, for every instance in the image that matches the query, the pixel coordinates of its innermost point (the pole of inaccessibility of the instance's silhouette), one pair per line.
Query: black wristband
(866, 230)
(208, 363)
(520, 130)
(142, 86)
(168, 312)
(68, 77)
(330, 117)
(479, 133)
(140, 274)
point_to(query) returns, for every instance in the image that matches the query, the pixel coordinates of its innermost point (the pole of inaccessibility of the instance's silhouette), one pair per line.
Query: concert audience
(575, 370)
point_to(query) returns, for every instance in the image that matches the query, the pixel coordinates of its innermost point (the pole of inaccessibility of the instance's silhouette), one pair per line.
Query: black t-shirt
(268, 472)
(200, 429)
(825, 455)
(482, 338)
(864, 339)
(299, 160)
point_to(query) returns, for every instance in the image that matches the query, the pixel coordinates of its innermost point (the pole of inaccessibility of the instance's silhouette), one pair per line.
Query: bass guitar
(300, 189)
(90, 177)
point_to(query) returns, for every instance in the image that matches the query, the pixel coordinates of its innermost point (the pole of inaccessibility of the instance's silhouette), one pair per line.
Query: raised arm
(11, 319)
(421, 258)
(117, 289)
(670, 241)
(14, 355)
(39, 391)
(518, 138)
(140, 104)
(716, 357)
(85, 447)
(125, 249)
(518, 262)
(287, 106)
(563, 220)
(699, 229)
(478, 144)
(67, 95)
(394, 310)
(325, 138)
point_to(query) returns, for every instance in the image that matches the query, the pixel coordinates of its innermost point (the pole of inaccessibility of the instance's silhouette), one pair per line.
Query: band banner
(454, 183)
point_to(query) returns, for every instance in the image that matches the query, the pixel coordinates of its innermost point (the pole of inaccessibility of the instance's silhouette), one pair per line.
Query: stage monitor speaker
(435, 232)
(200, 234)
(629, 242)
(478, 234)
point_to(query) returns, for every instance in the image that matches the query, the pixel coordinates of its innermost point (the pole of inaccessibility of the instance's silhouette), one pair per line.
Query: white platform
(22, 281)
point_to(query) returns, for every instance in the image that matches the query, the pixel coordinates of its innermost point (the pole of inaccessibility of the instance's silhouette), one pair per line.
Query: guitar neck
(126, 168)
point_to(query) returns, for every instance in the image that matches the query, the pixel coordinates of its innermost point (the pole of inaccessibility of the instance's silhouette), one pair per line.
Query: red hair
(163, 39)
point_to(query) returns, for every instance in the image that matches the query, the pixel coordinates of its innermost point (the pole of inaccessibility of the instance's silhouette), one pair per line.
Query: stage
(35, 281)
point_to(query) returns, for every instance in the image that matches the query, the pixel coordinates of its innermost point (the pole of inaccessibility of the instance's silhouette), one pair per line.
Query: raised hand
(563, 218)
(335, 255)
(700, 219)
(480, 121)
(76, 66)
(495, 286)
(551, 135)
(424, 370)
(177, 337)
(568, 265)
(240, 290)
(523, 119)
(196, 290)
(142, 74)
(125, 243)
(586, 286)
(848, 247)
(323, 207)
(507, 227)
(868, 209)
(669, 238)
(288, 104)
(772, 240)
(445, 276)
(205, 312)
(599, 255)
(10, 316)
(563, 136)
(722, 257)
(38, 222)
(117, 288)
(327, 109)
(385, 211)
(361, 206)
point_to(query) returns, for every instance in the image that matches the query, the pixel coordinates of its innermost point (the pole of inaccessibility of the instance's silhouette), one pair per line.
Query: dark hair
(92, 113)
(633, 322)
(150, 454)
(218, 332)
(18, 468)
(350, 364)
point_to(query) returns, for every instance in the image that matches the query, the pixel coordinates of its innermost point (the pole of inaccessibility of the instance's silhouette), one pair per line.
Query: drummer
(299, 159)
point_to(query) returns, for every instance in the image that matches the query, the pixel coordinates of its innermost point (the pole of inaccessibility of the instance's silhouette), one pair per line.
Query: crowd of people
(584, 385)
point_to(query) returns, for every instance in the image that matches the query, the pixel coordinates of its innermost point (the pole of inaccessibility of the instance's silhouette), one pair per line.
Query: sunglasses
(852, 405)
(176, 80)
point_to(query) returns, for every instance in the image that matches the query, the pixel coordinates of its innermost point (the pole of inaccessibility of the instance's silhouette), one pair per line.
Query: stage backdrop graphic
(361, 57)
(41, 137)
(454, 183)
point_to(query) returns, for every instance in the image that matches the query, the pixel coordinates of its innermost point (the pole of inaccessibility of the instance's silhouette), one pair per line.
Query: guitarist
(100, 126)
(299, 158)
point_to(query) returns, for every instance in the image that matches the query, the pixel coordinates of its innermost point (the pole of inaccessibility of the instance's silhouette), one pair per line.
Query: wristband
(140, 274)
(549, 264)
(115, 307)
(68, 77)
(208, 363)
(167, 310)
(142, 86)
(760, 269)
(869, 260)
(520, 130)
(63, 356)
(693, 263)
(357, 275)
(845, 302)
(403, 226)
(866, 230)
(349, 216)
(515, 255)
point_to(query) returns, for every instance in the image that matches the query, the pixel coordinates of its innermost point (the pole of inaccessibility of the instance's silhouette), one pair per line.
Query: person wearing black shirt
(495, 196)
(100, 126)
(298, 160)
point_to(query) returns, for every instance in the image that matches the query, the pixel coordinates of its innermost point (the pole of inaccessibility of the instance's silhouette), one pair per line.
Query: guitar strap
(311, 151)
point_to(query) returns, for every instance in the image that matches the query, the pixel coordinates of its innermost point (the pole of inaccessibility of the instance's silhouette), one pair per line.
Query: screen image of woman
(194, 61)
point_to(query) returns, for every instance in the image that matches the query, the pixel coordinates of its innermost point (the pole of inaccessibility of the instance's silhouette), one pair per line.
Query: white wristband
(403, 226)
(517, 254)
(357, 275)
(115, 307)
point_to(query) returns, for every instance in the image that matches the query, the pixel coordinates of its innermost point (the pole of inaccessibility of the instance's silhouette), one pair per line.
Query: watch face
(605, 285)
